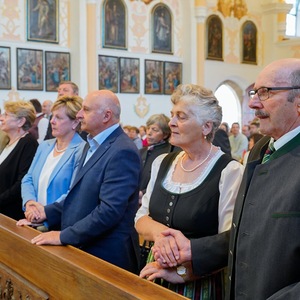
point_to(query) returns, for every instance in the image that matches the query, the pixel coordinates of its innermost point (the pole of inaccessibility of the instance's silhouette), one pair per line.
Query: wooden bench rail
(64, 272)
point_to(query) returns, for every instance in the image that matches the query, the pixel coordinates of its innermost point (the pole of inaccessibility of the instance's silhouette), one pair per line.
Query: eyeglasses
(263, 92)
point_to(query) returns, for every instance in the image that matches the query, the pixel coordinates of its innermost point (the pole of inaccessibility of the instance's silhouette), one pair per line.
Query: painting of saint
(5, 72)
(42, 20)
(214, 38)
(114, 24)
(249, 34)
(162, 29)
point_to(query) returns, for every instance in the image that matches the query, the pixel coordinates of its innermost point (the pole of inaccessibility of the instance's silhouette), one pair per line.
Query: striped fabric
(210, 287)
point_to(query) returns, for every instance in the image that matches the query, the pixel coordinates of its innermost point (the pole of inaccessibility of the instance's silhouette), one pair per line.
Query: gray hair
(204, 105)
(163, 123)
(295, 81)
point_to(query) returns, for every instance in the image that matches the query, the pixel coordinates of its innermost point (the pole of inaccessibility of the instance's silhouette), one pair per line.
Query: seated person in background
(224, 126)
(40, 125)
(193, 191)
(253, 139)
(17, 156)
(134, 135)
(255, 126)
(50, 173)
(126, 129)
(143, 135)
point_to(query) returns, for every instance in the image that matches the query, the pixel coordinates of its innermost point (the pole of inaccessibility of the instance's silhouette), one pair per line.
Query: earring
(205, 137)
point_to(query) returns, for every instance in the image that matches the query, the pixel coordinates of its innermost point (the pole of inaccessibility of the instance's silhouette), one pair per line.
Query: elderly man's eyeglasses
(263, 92)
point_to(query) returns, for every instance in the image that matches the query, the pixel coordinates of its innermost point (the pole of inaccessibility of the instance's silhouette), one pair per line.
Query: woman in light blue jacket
(50, 174)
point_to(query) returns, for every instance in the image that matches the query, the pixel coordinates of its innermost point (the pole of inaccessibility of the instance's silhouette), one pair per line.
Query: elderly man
(98, 213)
(46, 108)
(264, 252)
(65, 88)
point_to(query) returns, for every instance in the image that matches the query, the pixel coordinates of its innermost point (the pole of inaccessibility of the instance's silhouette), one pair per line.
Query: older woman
(192, 191)
(51, 171)
(16, 157)
(158, 133)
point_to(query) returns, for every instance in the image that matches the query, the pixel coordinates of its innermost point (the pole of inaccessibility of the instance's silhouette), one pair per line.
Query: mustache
(260, 113)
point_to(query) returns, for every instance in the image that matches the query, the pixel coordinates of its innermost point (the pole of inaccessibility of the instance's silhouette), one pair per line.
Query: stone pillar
(92, 57)
(200, 15)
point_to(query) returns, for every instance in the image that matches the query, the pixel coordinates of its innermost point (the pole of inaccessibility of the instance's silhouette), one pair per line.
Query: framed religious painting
(29, 69)
(5, 68)
(154, 76)
(172, 76)
(162, 29)
(108, 73)
(214, 38)
(129, 75)
(249, 42)
(58, 69)
(114, 24)
(42, 20)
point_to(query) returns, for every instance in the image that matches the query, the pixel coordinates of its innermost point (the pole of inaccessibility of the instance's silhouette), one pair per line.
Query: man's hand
(176, 250)
(47, 238)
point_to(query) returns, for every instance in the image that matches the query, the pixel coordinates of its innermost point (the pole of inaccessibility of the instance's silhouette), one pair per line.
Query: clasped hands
(35, 213)
(172, 248)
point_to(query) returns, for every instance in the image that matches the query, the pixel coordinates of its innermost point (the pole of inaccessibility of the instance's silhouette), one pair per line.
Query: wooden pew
(63, 272)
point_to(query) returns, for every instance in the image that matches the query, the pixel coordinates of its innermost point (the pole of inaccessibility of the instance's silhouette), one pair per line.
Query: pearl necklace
(202, 162)
(59, 151)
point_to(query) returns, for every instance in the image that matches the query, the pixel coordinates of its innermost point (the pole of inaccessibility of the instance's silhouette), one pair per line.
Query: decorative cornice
(201, 14)
(276, 8)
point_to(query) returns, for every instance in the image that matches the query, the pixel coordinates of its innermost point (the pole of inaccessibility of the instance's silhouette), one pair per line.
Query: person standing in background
(46, 108)
(238, 142)
(40, 125)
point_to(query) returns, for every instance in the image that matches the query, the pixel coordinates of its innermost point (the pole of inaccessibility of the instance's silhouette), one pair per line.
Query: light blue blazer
(61, 177)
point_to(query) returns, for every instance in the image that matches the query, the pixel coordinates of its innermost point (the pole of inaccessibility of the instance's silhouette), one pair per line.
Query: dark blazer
(12, 170)
(264, 256)
(98, 213)
(148, 156)
(221, 140)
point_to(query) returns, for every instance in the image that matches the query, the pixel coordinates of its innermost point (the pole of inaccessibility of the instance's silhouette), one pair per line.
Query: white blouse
(230, 180)
(46, 172)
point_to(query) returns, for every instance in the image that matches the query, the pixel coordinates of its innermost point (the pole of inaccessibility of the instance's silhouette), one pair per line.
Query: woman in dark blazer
(158, 133)
(17, 156)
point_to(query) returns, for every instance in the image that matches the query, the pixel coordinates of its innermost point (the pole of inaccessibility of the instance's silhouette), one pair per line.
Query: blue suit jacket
(60, 179)
(98, 213)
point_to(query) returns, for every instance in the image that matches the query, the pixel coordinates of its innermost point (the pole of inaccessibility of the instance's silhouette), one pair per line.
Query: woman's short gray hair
(203, 105)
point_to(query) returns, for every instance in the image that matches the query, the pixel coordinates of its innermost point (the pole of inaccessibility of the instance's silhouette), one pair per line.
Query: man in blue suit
(97, 215)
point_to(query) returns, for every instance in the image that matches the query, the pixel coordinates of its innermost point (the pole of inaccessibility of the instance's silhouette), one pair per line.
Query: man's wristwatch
(181, 271)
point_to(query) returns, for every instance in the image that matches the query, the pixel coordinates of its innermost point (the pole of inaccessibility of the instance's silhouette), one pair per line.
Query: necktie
(268, 153)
